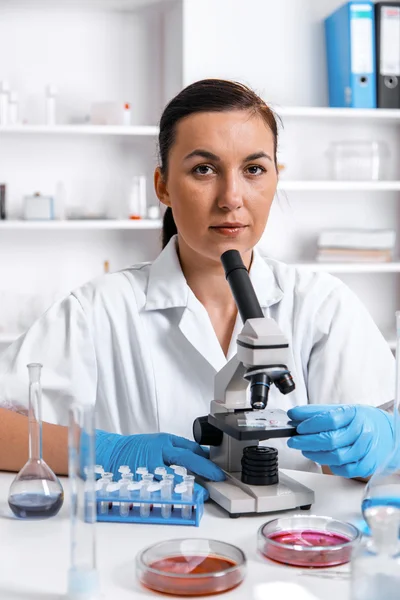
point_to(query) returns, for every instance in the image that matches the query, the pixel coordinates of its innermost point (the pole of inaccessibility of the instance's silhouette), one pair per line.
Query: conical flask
(382, 493)
(36, 492)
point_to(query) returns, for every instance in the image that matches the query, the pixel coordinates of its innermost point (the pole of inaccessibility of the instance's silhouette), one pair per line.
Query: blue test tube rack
(113, 515)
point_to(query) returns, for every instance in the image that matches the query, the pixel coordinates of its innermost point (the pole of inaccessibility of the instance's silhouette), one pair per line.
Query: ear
(160, 186)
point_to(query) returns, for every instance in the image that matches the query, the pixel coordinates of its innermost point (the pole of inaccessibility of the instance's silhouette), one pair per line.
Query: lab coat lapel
(167, 288)
(197, 328)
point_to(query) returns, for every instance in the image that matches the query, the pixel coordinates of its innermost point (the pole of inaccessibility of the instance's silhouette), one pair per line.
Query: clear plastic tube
(83, 580)
(187, 495)
(106, 478)
(124, 493)
(140, 471)
(166, 494)
(145, 495)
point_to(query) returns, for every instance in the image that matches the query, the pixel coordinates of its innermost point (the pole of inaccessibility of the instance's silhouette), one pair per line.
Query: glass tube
(376, 563)
(83, 581)
(383, 489)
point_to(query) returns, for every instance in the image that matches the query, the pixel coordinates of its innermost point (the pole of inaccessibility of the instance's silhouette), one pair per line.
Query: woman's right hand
(151, 451)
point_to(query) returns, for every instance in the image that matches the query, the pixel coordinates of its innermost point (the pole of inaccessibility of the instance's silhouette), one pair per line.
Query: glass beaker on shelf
(36, 492)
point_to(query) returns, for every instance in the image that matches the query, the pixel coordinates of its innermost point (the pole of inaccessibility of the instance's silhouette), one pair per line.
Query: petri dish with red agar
(191, 567)
(308, 541)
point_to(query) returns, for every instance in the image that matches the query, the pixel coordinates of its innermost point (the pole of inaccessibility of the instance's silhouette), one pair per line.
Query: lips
(229, 225)
(229, 229)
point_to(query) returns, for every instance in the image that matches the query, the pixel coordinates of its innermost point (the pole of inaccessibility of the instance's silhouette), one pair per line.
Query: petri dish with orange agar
(191, 567)
(308, 541)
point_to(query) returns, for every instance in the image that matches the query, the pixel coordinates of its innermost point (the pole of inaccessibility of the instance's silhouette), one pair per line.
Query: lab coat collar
(167, 286)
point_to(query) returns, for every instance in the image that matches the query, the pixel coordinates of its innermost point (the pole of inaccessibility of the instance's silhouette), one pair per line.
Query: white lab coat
(139, 345)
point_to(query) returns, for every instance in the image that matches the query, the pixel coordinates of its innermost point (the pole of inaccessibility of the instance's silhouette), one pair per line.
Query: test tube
(160, 471)
(166, 494)
(188, 480)
(124, 469)
(178, 470)
(106, 479)
(124, 492)
(145, 495)
(83, 580)
(140, 471)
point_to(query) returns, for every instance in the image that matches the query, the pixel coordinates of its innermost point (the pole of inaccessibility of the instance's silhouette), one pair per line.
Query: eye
(203, 170)
(255, 170)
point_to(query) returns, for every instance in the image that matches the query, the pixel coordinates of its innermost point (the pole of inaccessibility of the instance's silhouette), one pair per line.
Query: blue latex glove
(350, 439)
(151, 451)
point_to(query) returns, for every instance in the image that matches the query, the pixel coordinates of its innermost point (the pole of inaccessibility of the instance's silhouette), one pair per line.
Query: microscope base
(239, 498)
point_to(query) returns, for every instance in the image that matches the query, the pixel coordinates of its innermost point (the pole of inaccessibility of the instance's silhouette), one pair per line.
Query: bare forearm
(14, 443)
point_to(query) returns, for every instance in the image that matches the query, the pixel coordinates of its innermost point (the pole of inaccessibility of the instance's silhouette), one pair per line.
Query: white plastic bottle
(4, 95)
(13, 109)
(51, 93)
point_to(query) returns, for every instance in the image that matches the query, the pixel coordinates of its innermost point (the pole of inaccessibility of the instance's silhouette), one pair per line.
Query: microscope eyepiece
(259, 390)
(285, 383)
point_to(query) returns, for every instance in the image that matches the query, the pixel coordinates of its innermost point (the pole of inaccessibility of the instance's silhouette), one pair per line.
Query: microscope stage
(229, 424)
(239, 498)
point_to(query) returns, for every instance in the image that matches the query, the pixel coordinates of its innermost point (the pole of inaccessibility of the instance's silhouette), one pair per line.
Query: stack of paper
(356, 245)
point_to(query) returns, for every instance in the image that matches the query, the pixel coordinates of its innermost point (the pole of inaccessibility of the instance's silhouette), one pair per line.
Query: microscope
(239, 420)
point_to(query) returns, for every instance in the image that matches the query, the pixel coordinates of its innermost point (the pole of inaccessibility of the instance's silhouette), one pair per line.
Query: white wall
(276, 46)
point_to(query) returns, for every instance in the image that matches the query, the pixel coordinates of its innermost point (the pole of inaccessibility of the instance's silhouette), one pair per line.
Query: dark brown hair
(207, 95)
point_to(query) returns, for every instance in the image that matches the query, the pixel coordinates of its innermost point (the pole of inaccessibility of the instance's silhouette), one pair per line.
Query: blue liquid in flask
(35, 506)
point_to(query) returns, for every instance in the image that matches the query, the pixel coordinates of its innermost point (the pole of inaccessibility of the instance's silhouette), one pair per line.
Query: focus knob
(206, 434)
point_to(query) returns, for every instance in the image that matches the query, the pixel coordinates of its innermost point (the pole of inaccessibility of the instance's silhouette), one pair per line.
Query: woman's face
(221, 181)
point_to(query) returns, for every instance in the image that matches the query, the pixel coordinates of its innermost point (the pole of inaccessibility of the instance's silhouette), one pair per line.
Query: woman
(145, 344)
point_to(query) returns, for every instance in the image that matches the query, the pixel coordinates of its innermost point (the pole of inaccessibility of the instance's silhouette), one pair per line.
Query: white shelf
(115, 130)
(82, 224)
(387, 267)
(339, 186)
(323, 112)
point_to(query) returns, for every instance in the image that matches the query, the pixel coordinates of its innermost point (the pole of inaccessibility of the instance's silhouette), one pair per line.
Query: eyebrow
(211, 156)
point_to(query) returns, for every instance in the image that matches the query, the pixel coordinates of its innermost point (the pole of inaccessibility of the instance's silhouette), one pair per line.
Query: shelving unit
(339, 186)
(85, 224)
(104, 130)
(101, 50)
(323, 112)
(344, 267)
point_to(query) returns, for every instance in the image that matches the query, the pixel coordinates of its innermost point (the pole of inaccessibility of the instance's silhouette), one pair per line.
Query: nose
(230, 193)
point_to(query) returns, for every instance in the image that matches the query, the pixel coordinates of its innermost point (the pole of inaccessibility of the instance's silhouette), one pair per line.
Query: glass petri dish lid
(308, 541)
(191, 567)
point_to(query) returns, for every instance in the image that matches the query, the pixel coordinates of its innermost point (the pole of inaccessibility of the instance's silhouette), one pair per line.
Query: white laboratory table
(34, 555)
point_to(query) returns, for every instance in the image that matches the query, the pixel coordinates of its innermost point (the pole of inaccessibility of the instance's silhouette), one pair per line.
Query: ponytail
(169, 228)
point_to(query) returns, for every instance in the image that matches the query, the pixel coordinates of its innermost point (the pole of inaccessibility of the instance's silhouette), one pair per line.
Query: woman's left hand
(351, 439)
